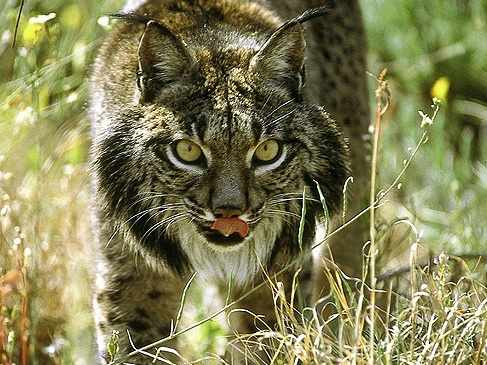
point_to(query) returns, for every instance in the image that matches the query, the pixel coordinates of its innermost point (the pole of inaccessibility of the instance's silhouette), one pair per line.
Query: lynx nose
(228, 196)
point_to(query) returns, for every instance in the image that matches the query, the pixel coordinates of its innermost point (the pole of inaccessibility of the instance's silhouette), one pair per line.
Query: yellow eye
(188, 151)
(267, 150)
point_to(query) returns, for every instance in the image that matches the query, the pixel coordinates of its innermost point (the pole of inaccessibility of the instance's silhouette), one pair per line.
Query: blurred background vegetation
(431, 49)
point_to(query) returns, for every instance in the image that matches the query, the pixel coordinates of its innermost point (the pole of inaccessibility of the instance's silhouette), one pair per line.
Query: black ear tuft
(163, 59)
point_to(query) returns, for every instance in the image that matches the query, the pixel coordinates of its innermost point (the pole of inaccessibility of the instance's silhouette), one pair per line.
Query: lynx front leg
(131, 299)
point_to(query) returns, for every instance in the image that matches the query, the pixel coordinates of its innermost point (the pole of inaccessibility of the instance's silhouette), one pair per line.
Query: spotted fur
(226, 74)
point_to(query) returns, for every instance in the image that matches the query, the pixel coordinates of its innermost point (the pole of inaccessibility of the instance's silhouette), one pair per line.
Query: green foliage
(436, 48)
(113, 346)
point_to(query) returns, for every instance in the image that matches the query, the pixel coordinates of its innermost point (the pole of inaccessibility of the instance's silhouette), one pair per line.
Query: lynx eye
(188, 151)
(267, 151)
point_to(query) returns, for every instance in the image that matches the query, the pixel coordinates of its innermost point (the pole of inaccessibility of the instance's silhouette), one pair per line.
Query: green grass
(45, 256)
(421, 42)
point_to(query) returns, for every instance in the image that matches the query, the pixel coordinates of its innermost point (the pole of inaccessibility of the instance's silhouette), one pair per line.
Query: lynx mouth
(219, 239)
(225, 232)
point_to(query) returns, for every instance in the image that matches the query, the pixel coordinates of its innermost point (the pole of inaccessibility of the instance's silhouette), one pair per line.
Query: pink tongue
(227, 226)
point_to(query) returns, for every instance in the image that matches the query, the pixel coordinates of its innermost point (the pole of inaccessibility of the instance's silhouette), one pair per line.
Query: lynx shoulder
(207, 140)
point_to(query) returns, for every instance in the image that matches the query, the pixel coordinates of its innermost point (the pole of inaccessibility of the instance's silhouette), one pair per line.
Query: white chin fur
(238, 264)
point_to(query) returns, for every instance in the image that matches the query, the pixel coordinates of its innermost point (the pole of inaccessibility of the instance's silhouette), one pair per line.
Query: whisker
(278, 108)
(281, 196)
(179, 219)
(156, 192)
(141, 215)
(275, 121)
(265, 103)
(149, 198)
(160, 209)
(255, 220)
(273, 216)
(197, 216)
(161, 223)
(285, 194)
(275, 202)
(283, 212)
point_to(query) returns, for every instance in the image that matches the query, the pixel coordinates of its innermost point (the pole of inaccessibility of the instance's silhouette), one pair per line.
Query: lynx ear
(163, 59)
(280, 61)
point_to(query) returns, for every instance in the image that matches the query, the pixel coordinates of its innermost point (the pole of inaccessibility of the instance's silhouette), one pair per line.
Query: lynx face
(206, 167)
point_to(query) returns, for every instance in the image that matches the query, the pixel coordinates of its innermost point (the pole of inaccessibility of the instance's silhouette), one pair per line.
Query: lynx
(208, 136)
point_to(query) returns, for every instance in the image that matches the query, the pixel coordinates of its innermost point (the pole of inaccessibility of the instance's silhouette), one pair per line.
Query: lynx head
(218, 141)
